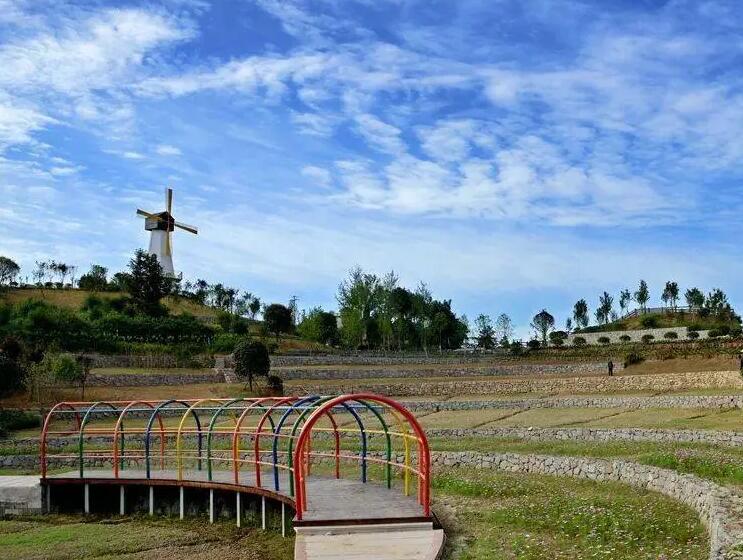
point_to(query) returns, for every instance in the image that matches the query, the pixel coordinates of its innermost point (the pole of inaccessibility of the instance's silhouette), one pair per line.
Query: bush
(692, 335)
(714, 333)
(275, 385)
(534, 344)
(225, 343)
(17, 420)
(633, 358)
(11, 375)
(251, 359)
(579, 341)
(603, 340)
(671, 335)
(625, 338)
(649, 322)
(646, 338)
(736, 332)
(515, 348)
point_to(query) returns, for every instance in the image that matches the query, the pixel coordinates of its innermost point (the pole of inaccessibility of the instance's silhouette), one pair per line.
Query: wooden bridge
(354, 470)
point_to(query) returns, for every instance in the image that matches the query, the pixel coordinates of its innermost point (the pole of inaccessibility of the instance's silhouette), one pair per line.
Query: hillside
(74, 299)
(666, 319)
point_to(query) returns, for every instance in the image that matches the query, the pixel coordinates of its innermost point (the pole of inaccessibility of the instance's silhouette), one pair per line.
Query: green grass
(720, 464)
(73, 538)
(504, 516)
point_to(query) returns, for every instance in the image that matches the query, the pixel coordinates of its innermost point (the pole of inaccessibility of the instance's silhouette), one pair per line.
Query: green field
(505, 516)
(74, 538)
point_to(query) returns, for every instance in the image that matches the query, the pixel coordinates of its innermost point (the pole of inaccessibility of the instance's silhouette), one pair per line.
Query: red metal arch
(424, 454)
(45, 430)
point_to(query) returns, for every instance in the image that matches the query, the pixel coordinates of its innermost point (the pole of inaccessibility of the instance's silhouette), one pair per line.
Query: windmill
(161, 227)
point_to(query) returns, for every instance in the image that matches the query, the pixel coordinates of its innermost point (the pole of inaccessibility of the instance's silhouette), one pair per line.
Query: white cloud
(167, 150)
(318, 175)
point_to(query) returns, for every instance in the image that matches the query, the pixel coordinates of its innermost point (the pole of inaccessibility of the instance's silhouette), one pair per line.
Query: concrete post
(283, 519)
(181, 504)
(86, 505)
(211, 506)
(238, 509)
(122, 503)
(263, 512)
(152, 500)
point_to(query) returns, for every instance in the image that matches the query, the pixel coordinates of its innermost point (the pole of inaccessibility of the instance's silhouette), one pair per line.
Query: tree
(580, 314)
(717, 302)
(625, 297)
(642, 295)
(694, 299)
(319, 326)
(9, 269)
(294, 310)
(278, 319)
(95, 280)
(568, 325)
(670, 294)
(604, 310)
(485, 332)
(358, 298)
(251, 360)
(543, 323)
(147, 284)
(503, 328)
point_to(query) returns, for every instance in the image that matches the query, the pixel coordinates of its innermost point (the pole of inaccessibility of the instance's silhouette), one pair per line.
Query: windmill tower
(161, 227)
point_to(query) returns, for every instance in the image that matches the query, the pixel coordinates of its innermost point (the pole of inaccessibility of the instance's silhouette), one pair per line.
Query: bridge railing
(274, 443)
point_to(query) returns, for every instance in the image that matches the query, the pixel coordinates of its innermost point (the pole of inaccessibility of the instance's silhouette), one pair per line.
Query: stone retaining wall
(148, 361)
(579, 368)
(392, 359)
(635, 336)
(630, 402)
(720, 509)
(149, 379)
(514, 385)
(730, 439)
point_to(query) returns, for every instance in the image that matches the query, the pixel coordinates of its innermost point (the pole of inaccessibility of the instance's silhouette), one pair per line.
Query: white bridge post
(122, 503)
(238, 509)
(86, 501)
(211, 506)
(283, 519)
(181, 504)
(263, 512)
(152, 500)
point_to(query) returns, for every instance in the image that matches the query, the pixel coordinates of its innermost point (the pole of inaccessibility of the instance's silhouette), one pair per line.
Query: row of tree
(714, 303)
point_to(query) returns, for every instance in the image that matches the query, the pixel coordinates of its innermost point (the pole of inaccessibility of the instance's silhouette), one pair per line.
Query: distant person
(610, 366)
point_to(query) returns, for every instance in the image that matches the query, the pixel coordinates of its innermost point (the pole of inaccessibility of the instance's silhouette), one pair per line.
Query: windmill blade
(145, 214)
(169, 200)
(190, 229)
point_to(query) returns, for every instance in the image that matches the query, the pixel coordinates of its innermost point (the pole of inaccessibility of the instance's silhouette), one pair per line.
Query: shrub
(714, 333)
(251, 359)
(534, 344)
(736, 332)
(633, 358)
(558, 335)
(275, 385)
(692, 335)
(225, 343)
(17, 420)
(11, 375)
(671, 335)
(649, 322)
(579, 341)
(558, 342)
(646, 338)
(603, 340)
(625, 338)
(724, 330)
(515, 348)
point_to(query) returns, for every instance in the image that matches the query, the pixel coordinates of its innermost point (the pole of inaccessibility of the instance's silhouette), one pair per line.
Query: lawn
(73, 538)
(723, 465)
(506, 516)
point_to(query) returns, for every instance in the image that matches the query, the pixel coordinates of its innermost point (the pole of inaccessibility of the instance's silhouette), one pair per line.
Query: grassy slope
(72, 538)
(502, 516)
(74, 299)
(665, 320)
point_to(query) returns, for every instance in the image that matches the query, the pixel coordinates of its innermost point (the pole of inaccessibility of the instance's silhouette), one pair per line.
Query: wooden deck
(331, 501)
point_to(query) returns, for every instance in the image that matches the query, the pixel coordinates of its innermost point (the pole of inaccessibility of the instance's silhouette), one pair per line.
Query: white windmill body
(161, 227)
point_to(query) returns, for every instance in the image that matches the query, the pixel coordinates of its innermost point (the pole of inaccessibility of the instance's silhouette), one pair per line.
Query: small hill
(665, 319)
(73, 298)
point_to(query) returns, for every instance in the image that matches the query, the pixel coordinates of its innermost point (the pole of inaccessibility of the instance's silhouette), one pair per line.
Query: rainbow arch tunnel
(288, 448)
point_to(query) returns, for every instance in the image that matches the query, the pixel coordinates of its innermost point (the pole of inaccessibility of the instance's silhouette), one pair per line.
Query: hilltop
(666, 318)
(74, 298)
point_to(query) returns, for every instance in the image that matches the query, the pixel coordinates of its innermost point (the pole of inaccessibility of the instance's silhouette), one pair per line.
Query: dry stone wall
(720, 509)
(150, 379)
(630, 402)
(556, 385)
(635, 336)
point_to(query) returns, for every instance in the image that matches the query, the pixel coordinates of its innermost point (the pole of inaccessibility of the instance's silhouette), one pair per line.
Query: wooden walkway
(345, 519)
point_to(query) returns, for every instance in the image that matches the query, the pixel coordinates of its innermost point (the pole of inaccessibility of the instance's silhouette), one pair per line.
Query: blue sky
(513, 154)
